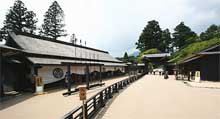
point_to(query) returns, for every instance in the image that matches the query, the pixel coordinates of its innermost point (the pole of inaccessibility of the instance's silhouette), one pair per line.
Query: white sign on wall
(197, 76)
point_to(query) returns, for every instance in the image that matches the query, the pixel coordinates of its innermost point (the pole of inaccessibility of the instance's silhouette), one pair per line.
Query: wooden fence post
(101, 99)
(109, 91)
(94, 103)
(106, 94)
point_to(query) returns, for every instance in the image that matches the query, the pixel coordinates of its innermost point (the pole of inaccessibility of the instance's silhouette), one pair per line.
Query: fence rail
(96, 102)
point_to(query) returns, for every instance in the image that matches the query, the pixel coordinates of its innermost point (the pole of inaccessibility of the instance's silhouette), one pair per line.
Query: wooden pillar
(1, 75)
(100, 73)
(87, 76)
(129, 73)
(146, 67)
(35, 74)
(68, 78)
(136, 69)
(35, 70)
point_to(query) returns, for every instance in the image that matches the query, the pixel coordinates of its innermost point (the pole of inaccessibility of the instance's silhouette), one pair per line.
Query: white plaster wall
(46, 72)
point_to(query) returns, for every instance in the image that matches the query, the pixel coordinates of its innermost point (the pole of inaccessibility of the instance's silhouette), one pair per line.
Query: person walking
(166, 75)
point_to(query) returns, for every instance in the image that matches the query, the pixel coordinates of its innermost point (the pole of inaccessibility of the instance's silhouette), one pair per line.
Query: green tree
(150, 37)
(193, 39)
(212, 31)
(181, 34)
(53, 25)
(125, 58)
(20, 19)
(167, 41)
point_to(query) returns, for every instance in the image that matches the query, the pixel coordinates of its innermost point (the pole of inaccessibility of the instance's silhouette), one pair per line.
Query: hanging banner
(39, 84)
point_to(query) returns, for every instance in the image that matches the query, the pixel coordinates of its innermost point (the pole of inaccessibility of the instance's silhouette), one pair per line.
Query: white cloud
(115, 25)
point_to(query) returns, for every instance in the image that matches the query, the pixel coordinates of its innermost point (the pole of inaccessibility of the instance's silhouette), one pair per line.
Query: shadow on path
(15, 100)
(102, 112)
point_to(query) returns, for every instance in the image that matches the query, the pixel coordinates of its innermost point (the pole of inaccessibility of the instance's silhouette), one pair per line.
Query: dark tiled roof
(33, 44)
(8, 48)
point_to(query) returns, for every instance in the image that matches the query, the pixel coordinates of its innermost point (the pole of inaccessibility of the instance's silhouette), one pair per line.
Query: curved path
(152, 97)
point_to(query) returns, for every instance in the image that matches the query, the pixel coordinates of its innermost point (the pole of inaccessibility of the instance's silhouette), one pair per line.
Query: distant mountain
(136, 53)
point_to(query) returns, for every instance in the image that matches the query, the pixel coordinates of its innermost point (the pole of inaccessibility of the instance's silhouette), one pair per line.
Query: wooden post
(1, 75)
(94, 103)
(136, 70)
(87, 76)
(101, 99)
(106, 94)
(116, 87)
(100, 74)
(124, 83)
(84, 114)
(109, 92)
(35, 74)
(68, 77)
(82, 96)
(129, 73)
(121, 83)
(146, 67)
(86, 110)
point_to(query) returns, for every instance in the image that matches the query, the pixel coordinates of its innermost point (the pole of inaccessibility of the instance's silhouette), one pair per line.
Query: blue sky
(115, 25)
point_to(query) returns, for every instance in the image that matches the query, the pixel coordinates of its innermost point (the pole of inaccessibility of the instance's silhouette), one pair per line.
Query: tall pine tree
(182, 34)
(153, 37)
(20, 19)
(125, 58)
(53, 25)
(167, 44)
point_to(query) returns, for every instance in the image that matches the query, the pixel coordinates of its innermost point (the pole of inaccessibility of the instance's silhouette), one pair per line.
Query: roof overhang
(191, 59)
(158, 55)
(8, 51)
(7, 48)
(198, 55)
(209, 53)
(113, 64)
(54, 61)
(140, 64)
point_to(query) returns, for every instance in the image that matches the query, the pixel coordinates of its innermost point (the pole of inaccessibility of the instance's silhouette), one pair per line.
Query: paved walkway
(48, 106)
(152, 97)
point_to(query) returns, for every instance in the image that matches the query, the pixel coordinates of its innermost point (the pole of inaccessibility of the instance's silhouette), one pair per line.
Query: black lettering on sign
(82, 93)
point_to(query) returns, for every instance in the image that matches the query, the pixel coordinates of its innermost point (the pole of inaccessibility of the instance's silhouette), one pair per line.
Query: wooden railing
(98, 101)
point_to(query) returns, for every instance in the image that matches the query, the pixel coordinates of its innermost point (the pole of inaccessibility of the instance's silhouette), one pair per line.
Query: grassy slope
(193, 48)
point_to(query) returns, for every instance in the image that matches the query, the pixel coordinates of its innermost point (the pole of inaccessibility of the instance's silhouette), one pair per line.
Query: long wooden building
(206, 61)
(26, 55)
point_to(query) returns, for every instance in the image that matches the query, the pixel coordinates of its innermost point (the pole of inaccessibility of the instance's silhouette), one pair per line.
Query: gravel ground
(52, 105)
(152, 97)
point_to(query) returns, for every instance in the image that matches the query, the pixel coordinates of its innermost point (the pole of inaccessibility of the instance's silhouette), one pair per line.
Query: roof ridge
(56, 41)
